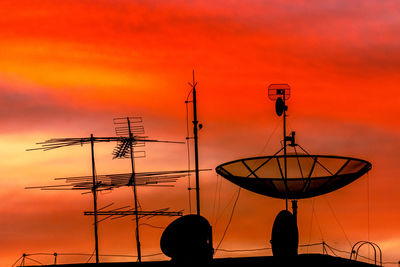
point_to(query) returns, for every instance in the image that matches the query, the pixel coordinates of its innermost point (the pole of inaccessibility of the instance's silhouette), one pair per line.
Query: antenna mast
(94, 190)
(133, 182)
(126, 127)
(196, 127)
(196, 145)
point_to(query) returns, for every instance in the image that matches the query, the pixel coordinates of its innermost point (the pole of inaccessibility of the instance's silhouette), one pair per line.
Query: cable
(243, 250)
(332, 249)
(311, 221)
(230, 220)
(260, 249)
(340, 225)
(338, 250)
(34, 260)
(319, 226)
(90, 256)
(213, 215)
(310, 245)
(391, 262)
(269, 138)
(333, 252)
(17, 261)
(216, 217)
(227, 205)
(153, 226)
(151, 255)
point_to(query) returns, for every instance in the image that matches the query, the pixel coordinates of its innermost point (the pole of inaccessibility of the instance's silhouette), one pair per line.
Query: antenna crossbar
(133, 212)
(111, 181)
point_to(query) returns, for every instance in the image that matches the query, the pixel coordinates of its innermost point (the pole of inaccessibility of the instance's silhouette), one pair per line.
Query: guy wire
(337, 220)
(188, 152)
(311, 222)
(213, 215)
(230, 220)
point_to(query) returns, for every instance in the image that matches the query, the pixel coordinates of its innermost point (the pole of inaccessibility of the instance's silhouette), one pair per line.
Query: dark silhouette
(188, 240)
(285, 236)
(293, 176)
(128, 137)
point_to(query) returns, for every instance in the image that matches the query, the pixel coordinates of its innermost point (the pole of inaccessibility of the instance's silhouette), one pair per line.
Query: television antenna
(196, 127)
(126, 141)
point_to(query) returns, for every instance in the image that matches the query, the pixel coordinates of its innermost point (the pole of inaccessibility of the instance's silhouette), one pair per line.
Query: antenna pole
(284, 146)
(133, 181)
(196, 145)
(94, 190)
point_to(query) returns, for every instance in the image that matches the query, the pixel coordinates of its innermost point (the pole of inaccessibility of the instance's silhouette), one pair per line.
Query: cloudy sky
(67, 68)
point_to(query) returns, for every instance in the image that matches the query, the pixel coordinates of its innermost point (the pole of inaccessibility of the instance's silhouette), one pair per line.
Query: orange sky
(68, 67)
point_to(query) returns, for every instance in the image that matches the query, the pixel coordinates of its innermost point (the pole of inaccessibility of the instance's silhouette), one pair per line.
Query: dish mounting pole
(280, 93)
(94, 190)
(284, 145)
(133, 183)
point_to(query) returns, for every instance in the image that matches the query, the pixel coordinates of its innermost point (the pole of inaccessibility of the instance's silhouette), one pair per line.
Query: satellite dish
(279, 106)
(307, 176)
(188, 239)
(285, 235)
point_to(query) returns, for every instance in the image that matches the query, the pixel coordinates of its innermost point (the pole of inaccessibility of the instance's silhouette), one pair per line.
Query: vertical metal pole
(196, 146)
(94, 190)
(284, 146)
(133, 180)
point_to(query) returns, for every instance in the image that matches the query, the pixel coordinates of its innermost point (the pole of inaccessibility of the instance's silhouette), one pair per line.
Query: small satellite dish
(279, 106)
(188, 239)
(285, 235)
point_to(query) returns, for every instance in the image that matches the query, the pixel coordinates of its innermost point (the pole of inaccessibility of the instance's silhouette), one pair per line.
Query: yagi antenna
(128, 137)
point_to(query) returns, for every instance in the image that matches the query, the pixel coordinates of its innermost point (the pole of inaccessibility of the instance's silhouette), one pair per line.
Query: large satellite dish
(307, 176)
(293, 175)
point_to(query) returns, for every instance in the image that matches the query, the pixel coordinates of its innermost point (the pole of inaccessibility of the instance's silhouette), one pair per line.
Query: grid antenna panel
(132, 130)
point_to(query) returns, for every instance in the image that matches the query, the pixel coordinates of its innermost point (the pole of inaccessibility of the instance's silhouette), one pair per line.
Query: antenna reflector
(278, 90)
(279, 106)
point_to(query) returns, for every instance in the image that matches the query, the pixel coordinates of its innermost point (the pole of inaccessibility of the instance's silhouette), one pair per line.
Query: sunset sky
(67, 68)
